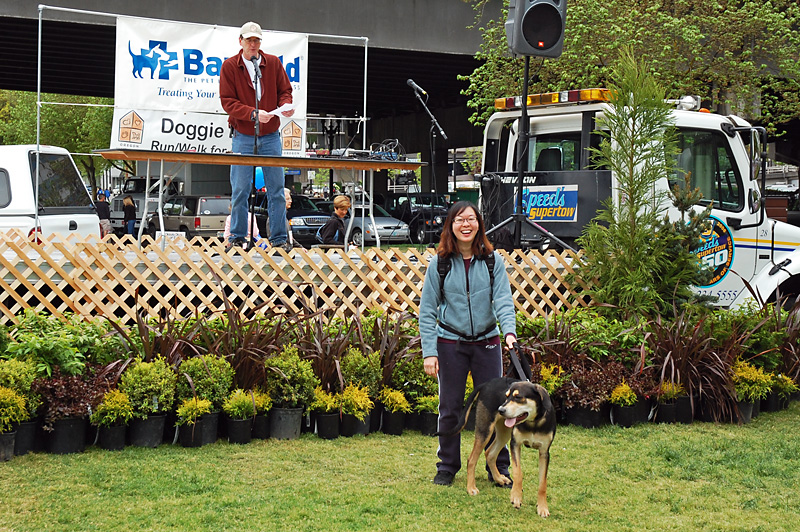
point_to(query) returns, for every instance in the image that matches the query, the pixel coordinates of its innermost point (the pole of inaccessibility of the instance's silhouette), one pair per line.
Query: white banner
(166, 95)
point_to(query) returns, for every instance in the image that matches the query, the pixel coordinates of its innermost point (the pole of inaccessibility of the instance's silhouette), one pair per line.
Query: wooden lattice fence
(118, 278)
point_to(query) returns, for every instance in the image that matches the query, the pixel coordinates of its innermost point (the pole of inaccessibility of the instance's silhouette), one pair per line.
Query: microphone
(254, 59)
(416, 87)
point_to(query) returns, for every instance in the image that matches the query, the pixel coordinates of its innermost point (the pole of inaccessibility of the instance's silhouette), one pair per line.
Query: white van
(64, 205)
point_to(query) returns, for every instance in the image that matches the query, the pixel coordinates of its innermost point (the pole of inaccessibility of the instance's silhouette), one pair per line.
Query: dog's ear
(541, 391)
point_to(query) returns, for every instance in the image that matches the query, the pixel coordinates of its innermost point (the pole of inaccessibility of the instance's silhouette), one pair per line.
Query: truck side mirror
(754, 201)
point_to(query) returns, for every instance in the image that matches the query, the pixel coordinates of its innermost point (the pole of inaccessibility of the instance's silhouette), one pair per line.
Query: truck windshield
(427, 200)
(60, 185)
(706, 158)
(554, 152)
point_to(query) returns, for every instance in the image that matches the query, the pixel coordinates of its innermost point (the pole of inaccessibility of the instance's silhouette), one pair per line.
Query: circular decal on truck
(716, 250)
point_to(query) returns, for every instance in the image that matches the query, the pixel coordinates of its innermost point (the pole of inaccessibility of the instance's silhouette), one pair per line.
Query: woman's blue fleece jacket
(470, 312)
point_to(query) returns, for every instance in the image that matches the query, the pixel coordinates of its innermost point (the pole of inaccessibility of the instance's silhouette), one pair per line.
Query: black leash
(521, 373)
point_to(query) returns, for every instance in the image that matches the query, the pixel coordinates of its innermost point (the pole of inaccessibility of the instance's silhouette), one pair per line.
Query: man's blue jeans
(242, 184)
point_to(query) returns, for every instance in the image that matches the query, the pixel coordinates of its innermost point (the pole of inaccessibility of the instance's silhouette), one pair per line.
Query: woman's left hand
(511, 340)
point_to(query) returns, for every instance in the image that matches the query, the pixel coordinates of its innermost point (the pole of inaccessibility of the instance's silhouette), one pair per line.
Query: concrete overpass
(425, 40)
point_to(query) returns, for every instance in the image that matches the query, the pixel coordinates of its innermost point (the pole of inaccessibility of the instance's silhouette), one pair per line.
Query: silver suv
(192, 215)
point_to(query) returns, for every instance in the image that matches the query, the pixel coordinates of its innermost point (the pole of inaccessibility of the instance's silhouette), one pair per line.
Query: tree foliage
(79, 126)
(641, 262)
(740, 56)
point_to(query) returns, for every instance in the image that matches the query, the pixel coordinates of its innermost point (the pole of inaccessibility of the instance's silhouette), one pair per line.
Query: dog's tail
(462, 420)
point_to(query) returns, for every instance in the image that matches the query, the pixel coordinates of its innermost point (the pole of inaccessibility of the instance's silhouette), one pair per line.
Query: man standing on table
(238, 96)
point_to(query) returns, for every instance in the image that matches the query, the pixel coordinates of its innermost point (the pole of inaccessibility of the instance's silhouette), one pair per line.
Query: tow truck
(723, 155)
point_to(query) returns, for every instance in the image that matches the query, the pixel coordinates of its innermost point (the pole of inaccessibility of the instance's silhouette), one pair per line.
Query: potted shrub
(12, 411)
(150, 387)
(623, 410)
(409, 375)
(751, 384)
(783, 387)
(364, 369)
(263, 403)
(290, 382)
(356, 406)
(428, 408)
(326, 407)
(586, 394)
(240, 408)
(111, 417)
(66, 402)
(395, 407)
(19, 375)
(668, 392)
(190, 421)
(208, 377)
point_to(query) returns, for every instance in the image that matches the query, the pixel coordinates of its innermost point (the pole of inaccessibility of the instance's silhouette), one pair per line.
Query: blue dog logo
(156, 58)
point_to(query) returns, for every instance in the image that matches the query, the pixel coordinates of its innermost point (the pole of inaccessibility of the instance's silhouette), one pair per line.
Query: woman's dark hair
(481, 247)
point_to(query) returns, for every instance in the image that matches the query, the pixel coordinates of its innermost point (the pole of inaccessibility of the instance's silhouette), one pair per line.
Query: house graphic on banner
(131, 127)
(292, 136)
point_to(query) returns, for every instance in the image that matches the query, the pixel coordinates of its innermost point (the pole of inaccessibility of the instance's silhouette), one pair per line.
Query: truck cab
(42, 193)
(562, 191)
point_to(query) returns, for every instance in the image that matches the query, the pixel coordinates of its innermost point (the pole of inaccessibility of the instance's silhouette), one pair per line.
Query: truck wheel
(151, 230)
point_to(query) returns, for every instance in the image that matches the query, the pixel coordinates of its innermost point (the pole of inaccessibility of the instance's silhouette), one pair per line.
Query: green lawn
(647, 478)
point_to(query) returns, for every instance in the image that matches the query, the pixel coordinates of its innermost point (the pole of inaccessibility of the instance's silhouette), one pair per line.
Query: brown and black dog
(517, 411)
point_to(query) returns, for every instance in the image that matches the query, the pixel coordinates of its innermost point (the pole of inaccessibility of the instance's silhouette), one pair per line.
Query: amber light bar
(554, 98)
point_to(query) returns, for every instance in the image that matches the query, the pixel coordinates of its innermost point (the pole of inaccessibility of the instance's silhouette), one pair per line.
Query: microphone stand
(253, 192)
(434, 127)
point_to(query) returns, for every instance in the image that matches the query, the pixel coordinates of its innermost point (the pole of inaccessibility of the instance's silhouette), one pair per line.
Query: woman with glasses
(458, 324)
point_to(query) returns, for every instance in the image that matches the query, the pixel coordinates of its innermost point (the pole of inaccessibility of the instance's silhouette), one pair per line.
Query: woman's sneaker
(443, 478)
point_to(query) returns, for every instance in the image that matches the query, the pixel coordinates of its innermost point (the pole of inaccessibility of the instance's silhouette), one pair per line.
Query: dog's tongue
(510, 422)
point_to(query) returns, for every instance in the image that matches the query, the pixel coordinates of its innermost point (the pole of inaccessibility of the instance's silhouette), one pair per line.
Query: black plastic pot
(68, 436)
(284, 423)
(26, 438)
(209, 426)
(328, 426)
(666, 412)
(7, 440)
(588, 418)
(393, 423)
(112, 438)
(147, 432)
(428, 423)
(352, 426)
(240, 430)
(261, 427)
(192, 434)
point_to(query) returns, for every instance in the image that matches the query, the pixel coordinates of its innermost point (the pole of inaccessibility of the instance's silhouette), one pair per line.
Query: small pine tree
(635, 259)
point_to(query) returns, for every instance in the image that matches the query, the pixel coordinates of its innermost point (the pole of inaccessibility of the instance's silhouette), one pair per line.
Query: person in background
(129, 214)
(256, 234)
(458, 325)
(288, 195)
(104, 213)
(332, 232)
(238, 98)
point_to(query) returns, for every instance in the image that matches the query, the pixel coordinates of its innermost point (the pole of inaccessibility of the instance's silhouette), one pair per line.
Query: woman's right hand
(431, 366)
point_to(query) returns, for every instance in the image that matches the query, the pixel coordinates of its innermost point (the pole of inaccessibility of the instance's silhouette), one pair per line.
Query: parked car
(304, 218)
(192, 215)
(389, 229)
(64, 206)
(424, 213)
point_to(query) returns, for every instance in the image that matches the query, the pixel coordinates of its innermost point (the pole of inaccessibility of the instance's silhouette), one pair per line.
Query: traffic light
(536, 27)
